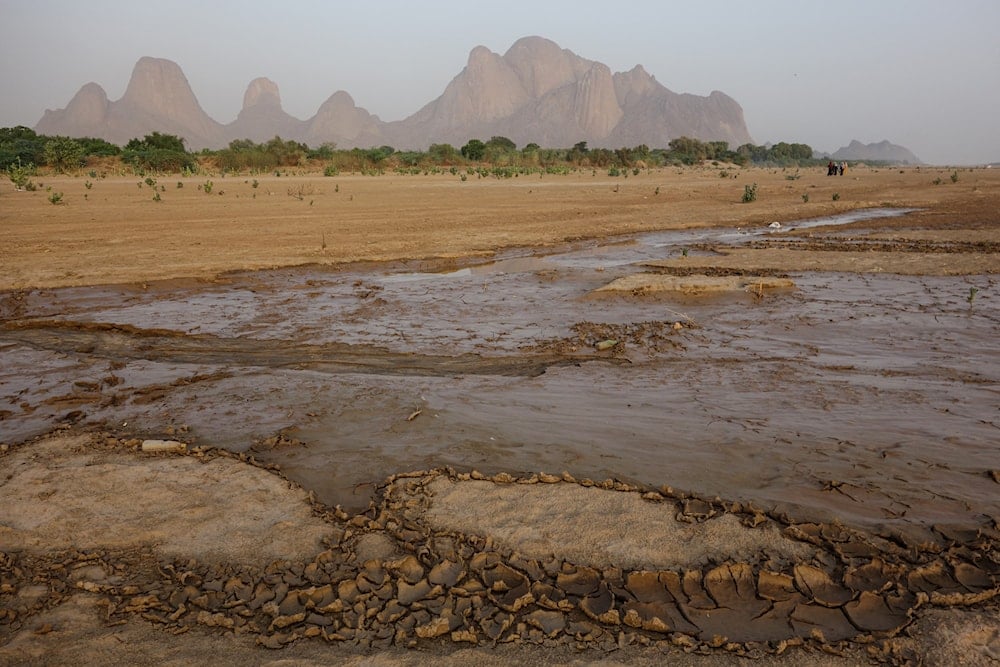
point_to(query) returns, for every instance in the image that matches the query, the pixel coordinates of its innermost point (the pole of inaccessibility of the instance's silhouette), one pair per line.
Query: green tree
(157, 141)
(325, 151)
(601, 157)
(500, 150)
(288, 153)
(20, 145)
(474, 150)
(502, 143)
(687, 150)
(158, 152)
(93, 146)
(63, 153)
(443, 154)
(577, 153)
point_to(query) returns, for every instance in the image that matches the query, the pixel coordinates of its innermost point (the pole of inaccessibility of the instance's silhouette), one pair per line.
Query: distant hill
(535, 92)
(882, 151)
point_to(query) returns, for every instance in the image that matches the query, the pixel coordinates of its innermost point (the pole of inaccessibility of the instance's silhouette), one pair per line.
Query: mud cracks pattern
(429, 585)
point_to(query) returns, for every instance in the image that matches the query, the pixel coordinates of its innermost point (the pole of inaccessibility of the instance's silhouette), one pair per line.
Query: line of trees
(158, 152)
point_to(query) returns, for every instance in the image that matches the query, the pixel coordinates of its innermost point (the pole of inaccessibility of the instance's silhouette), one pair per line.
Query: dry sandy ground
(114, 232)
(110, 556)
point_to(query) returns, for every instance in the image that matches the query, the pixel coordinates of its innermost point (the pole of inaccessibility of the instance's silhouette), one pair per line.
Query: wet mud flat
(854, 412)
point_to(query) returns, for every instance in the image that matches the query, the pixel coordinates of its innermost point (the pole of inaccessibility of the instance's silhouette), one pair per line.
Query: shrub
(20, 174)
(749, 193)
(56, 197)
(836, 196)
(63, 153)
(330, 170)
(954, 177)
(207, 187)
(159, 160)
(805, 197)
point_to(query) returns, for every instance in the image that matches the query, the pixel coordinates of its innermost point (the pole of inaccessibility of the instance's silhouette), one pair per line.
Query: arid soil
(114, 232)
(765, 443)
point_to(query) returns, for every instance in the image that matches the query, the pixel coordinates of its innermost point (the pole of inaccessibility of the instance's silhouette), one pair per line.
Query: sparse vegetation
(56, 197)
(301, 192)
(805, 197)
(836, 196)
(497, 157)
(749, 193)
(207, 187)
(954, 177)
(20, 174)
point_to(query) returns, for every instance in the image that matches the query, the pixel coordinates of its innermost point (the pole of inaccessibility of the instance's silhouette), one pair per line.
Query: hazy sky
(921, 73)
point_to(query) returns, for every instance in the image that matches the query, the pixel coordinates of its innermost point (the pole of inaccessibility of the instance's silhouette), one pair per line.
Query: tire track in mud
(117, 341)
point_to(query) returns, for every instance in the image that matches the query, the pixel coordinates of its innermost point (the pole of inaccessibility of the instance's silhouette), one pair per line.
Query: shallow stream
(871, 398)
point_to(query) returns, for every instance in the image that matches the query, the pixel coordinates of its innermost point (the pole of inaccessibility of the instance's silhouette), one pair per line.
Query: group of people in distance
(834, 169)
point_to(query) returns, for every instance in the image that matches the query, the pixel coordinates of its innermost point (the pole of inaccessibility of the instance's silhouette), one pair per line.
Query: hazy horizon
(920, 74)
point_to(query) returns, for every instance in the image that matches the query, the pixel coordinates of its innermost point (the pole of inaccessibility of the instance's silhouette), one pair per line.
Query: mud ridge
(116, 341)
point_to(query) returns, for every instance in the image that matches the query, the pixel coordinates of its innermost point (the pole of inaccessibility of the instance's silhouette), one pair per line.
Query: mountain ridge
(535, 92)
(882, 151)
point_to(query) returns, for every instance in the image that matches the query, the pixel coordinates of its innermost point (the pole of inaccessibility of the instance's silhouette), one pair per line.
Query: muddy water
(869, 398)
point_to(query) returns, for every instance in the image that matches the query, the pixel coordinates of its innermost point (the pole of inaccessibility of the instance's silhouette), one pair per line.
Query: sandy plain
(111, 555)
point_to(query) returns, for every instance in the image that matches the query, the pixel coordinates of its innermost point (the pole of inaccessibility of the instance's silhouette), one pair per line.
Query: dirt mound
(76, 493)
(694, 285)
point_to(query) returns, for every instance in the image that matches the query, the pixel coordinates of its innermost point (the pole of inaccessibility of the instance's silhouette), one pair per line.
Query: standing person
(843, 167)
(830, 169)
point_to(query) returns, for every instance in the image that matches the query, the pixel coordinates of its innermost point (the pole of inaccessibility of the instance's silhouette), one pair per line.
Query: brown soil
(109, 555)
(114, 232)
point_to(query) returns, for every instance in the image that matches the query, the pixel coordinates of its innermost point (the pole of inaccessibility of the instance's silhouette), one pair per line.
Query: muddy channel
(868, 398)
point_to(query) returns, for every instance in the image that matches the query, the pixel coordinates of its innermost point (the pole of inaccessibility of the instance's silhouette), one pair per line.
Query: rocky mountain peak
(882, 151)
(542, 66)
(85, 111)
(535, 92)
(159, 85)
(262, 91)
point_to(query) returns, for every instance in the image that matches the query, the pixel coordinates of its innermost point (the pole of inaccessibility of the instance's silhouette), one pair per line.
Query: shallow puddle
(870, 398)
